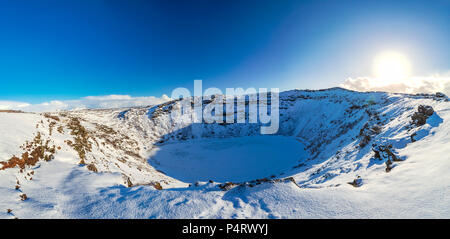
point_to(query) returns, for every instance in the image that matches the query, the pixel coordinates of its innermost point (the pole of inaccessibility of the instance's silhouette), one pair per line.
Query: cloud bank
(89, 102)
(429, 84)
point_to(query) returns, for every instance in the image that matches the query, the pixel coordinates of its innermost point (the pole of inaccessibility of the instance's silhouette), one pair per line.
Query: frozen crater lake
(228, 159)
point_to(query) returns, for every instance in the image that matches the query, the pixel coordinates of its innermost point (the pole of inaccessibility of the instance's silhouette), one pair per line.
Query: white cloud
(7, 105)
(418, 84)
(89, 102)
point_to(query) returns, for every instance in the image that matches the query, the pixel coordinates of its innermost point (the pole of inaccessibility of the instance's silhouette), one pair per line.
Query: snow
(227, 160)
(14, 130)
(318, 145)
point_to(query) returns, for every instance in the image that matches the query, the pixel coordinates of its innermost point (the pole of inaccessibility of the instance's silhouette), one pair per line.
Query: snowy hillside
(338, 154)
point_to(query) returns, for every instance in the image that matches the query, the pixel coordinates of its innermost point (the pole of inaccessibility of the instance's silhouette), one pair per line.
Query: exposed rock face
(425, 109)
(92, 168)
(23, 197)
(156, 185)
(357, 182)
(386, 154)
(439, 96)
(367, 133)
(420, 117)
(227, 186)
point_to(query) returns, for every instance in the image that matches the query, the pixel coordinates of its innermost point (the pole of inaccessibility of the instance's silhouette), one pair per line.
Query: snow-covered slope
(337, 153)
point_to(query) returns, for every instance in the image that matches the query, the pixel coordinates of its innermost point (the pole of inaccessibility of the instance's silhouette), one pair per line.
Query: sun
(391, 67)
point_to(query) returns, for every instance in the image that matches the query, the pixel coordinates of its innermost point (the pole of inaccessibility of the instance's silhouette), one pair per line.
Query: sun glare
(391, 67)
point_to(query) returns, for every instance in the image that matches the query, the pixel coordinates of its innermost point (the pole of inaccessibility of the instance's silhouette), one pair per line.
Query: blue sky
(70, 49)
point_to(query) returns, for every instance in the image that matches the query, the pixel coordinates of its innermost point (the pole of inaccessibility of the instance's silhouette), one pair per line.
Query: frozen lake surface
(228, 159)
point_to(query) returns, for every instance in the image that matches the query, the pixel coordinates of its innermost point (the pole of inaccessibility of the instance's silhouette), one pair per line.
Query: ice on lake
(228, 159)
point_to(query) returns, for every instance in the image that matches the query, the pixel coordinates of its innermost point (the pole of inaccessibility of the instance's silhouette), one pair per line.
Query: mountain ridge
(342, 131)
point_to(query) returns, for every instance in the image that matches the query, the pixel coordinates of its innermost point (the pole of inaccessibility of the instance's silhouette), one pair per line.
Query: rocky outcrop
(357, 182)
(386, 154)
(440, 96)
(420, 117)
